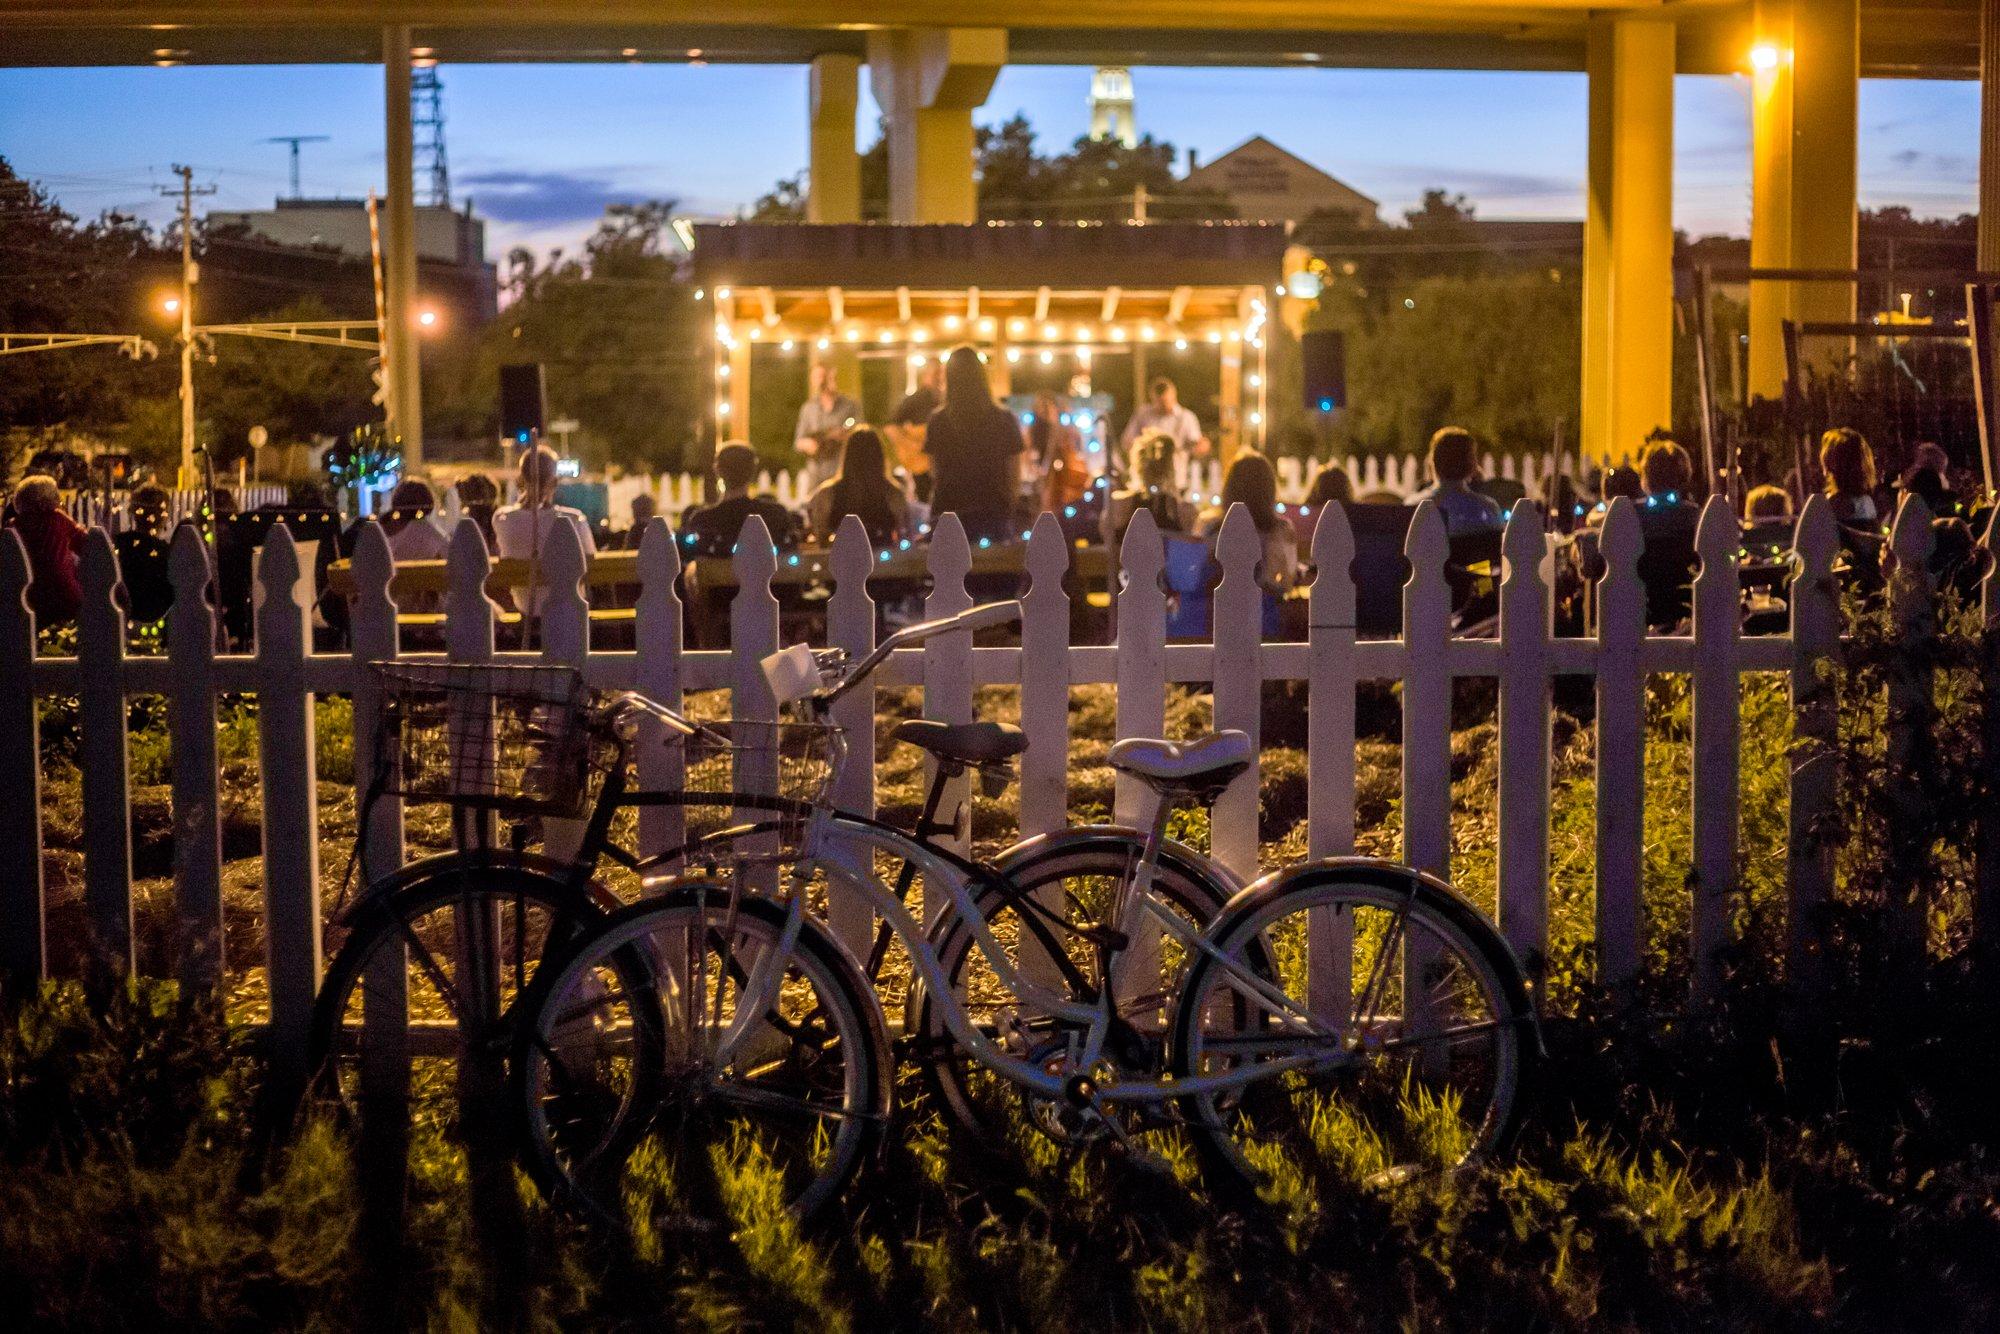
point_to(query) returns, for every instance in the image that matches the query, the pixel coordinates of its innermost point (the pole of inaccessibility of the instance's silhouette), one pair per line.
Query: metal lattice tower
(427, 123)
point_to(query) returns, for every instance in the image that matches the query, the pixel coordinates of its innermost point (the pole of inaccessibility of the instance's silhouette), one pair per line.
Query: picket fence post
(1044, 792)
(948, 673)
(1141, 690)
(1986, 906)
(656, 643)
(197, 797)
(1913, 616)
(1427, 697)
(107, 793)
(24, 956)
(1524, 727)
(753, 636)
(290, 790)
(1717, 742)
(1330, 687)
(565, 629)
(850, 625)
(1815, 607)
(1621, 748)
(1237, 623)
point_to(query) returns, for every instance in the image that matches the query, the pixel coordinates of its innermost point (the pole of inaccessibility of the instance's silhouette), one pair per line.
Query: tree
(1096, 180)
(618, 331)
(65, 276)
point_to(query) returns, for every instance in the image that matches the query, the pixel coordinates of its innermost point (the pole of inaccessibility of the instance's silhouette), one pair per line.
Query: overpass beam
(1806, 72)
(1628, 246)
(833, 175)
(399, 252)
(928, 82)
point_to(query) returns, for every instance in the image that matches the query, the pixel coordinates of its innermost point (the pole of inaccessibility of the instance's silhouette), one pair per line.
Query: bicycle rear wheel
(1406, 1042)
(629, 1107)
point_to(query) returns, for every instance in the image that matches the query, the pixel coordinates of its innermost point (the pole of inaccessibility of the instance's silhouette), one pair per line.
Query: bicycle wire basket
(735, 769)
(516, 740)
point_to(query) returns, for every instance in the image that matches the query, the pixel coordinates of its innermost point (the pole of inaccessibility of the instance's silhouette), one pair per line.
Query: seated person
(1153, 489)
(1768, 504)
(480, 497)
(1253, 483)
(1454, 464)
(1929, 479)
(1668, 517)
(1330, 485)
(1849, 465)
(523, 530)
(712, 529)
(410, 524)
(55, 550)
(864, 488)
(644, 510)
(142, 557)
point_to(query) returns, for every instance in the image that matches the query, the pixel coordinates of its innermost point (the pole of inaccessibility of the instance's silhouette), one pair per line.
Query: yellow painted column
(833, 176)
(1989, 136)
(927, 82)
(1805, 72)
(1628, 301)
(399, 251)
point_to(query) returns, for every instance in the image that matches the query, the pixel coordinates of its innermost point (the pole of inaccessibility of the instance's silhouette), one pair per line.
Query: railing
(92, 510)
(285, 673)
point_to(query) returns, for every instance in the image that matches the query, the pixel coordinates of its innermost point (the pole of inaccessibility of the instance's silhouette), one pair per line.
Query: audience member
(1454, 463)
(1849, 465)
(713, 529)
(1929, 479)
(1668, 518)
(1768, 504)
(865, 489)
(824, 420)
(1055, 448)
(222, 502)
(1330, 485)
(55, 550)
(974, 445)
(1152, 489)
(1253, 483)
(479, 500)
(644, 510)
(411, 523)
(143, 564)
(522, 531)
(1564, 508)
(1163, 412)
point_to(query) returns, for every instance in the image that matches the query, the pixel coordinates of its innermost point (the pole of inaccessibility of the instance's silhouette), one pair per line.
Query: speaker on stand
(523, 403)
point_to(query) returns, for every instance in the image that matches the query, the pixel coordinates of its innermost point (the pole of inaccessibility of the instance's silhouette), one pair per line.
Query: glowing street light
(1764, 57)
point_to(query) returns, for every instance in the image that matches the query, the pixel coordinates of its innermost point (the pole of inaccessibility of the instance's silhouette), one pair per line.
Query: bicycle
(437, 954)
(751, 1036)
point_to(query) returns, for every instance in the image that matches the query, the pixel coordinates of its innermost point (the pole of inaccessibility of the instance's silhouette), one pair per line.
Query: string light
(722, 294)
(853, 333)
(1050, 331)
(951, 323)
(1256, 382)
(919, 336)
(988, 325)
(918, 358)
(1117, 333)
(785, 346)
(886, 337)
(1013, 354)
(1016, 325)
(1047, 357)
(823, 344)
(1180, 345)
(1145, 333)
(722, 370)
(1214, 336)
(722, 408)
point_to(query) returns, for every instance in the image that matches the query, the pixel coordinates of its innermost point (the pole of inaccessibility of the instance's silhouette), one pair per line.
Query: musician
(825, 418)
(909, 423)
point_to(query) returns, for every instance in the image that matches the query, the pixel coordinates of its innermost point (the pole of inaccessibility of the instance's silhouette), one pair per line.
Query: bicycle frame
(842, 847)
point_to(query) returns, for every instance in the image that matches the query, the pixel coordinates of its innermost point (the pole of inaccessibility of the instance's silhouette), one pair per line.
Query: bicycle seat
(1210, 762)
(968, 743)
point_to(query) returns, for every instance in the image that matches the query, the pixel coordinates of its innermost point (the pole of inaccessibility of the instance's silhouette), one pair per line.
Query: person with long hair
(975, 447)
(1253, 483)
(864, 488)
(1154, 456)
(1849, 465)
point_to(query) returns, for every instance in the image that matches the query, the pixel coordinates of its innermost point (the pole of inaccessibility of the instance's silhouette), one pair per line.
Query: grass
(1688, 1170)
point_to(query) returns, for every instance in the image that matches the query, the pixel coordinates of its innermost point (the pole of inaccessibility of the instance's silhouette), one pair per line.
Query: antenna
(295, 140)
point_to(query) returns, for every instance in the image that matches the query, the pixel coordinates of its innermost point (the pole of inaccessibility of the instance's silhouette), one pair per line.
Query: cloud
(542, 197)
(1936, 164)
(1477, 183)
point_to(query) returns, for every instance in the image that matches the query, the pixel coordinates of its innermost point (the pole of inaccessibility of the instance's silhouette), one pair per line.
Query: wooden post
(1911, 704)
(656, 639)
(1717, 742)
(948, 672)
(1427, 697)
(850, 624)
(1237, 626)
(1141, 646)
(1815, 604)
(1525, 716)
(1330, 683)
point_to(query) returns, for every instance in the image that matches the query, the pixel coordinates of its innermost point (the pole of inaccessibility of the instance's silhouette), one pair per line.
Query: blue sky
(543, 148)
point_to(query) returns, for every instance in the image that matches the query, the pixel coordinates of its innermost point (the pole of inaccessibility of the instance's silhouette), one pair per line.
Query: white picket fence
(285, 674)
(1400, 475)
(92, 510)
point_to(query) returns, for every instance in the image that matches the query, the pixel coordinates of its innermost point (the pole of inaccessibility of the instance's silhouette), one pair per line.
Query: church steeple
(1111, 105)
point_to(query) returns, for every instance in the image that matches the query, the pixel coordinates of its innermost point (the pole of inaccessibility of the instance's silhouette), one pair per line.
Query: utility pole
(190, 274)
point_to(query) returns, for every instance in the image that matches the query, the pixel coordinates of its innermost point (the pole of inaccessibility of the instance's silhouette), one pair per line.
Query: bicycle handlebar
(973, 619)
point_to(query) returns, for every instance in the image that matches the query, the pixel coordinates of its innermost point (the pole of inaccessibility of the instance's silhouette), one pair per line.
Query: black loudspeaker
(1324, 352)
(523, 407)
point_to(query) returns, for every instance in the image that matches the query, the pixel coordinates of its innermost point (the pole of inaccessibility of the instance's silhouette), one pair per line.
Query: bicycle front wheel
(673, 1102)
(1398, 1032)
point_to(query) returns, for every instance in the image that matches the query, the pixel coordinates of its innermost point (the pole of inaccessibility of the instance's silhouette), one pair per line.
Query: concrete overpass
(1805, 58)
